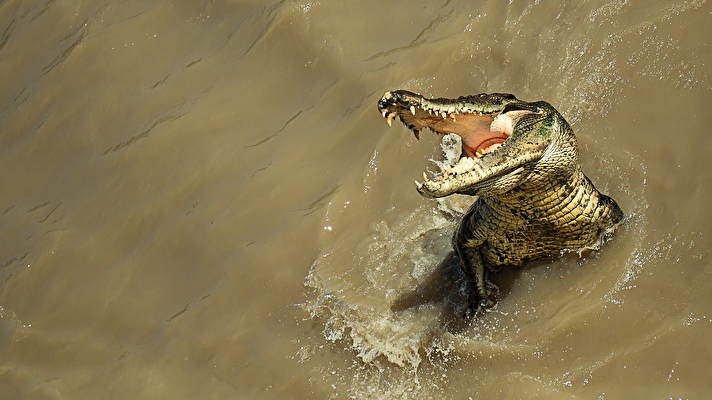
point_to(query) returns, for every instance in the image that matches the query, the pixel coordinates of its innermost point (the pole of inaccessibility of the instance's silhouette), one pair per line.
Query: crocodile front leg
(467, 247)
(474, 269)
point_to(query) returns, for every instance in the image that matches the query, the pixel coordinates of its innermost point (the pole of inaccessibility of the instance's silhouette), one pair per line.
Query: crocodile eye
(520, 107)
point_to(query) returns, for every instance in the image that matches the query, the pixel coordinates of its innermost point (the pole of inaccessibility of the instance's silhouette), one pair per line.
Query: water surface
(200, 200)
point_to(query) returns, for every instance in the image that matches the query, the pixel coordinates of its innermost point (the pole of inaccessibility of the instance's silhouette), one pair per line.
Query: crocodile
(520, 159)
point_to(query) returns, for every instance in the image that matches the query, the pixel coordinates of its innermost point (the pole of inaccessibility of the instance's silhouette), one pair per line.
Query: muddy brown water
(199, 200)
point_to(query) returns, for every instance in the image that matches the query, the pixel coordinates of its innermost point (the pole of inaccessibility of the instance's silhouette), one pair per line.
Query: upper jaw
(478, 104)
(413, 109)
(478, 120)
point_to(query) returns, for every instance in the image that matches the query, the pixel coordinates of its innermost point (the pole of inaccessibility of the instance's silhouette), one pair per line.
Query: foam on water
(372, 328)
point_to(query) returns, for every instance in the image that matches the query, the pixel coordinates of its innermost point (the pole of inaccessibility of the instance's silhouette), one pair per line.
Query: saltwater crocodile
(521, 160)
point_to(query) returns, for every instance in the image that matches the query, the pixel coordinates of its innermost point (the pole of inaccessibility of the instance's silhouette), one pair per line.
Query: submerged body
(521, 160)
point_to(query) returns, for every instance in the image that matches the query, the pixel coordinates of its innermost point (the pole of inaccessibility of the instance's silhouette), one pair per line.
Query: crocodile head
(504, 140)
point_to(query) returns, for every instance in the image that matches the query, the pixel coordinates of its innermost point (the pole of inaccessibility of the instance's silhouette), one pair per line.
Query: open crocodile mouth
(482, 131)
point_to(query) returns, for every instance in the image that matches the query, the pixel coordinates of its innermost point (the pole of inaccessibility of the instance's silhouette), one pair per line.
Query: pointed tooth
(425, 177)
(493, 147)
(389, 119)
(443, 114)
(384, 113)
(418, 184)
(412, 110)
(416, 133)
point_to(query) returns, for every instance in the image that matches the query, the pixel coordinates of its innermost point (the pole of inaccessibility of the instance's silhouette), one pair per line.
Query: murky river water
(199, 200)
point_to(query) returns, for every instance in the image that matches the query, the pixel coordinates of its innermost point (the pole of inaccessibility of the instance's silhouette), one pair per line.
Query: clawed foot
(492, 290)
(477, 305)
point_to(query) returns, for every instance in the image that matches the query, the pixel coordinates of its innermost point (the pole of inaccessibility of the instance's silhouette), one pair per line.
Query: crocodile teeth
(384, 113)
(464, 165)
(412, 110)
(425, 177)
(416, 133)
(493, 147)
(389, 119)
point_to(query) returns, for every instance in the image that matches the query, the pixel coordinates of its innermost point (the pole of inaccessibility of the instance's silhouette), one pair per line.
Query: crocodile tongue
(474, 144)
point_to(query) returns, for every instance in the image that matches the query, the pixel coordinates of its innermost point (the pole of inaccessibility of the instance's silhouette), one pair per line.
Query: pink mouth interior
(474, 129)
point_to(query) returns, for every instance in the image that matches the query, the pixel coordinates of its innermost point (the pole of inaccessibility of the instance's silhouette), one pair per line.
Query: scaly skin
(533, 201)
